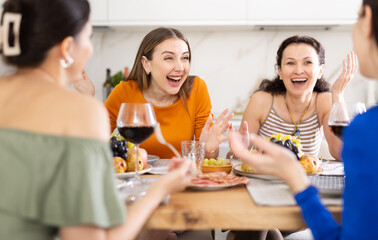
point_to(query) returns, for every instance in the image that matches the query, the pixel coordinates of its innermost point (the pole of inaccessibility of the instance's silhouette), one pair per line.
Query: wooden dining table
(229, 208)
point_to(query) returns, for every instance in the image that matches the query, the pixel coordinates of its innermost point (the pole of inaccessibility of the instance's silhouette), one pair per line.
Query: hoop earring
(66, 63)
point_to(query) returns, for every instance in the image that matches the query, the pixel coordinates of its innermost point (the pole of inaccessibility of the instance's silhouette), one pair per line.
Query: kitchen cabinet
(177, 12)
(99, 12)
(300, 12)
(242, 13)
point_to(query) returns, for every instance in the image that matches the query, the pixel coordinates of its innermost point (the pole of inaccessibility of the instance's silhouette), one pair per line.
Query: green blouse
(49, 181)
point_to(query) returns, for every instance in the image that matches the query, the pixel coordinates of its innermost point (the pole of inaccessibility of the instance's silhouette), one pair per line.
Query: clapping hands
(212, 133)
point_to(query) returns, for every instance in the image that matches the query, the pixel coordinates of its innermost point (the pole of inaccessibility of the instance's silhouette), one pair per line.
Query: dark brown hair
(44, 24)
(147, 48)
(374, 9)
(276, 86)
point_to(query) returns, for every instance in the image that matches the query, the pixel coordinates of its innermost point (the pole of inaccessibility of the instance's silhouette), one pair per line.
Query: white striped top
(310, 131)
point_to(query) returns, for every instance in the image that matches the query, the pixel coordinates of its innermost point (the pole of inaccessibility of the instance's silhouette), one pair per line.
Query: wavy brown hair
(276, 86)
(147, 48)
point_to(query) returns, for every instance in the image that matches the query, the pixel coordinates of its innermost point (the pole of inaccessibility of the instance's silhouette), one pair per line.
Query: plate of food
(146, 169)
(241, 170)
(152, 158)
(216, 181)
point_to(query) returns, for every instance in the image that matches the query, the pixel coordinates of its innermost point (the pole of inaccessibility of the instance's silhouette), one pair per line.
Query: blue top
(360, 214)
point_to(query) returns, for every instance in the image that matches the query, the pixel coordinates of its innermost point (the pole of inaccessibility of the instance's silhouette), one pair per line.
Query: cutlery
(161, 139)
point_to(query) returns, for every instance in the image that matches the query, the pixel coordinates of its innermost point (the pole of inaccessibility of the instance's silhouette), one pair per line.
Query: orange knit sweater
(177, 124)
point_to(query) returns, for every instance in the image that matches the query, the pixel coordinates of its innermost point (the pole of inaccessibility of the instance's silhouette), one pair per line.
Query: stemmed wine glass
(342, 114)
(136, 122)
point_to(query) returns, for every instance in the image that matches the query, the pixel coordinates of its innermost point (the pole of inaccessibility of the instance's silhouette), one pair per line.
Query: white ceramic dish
(238, 171)
(146, 169)
(152, 158)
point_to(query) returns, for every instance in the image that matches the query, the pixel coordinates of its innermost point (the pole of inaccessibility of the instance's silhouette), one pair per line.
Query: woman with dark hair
(360, 210)
(160, 76)
(57, 175)
(297, 102)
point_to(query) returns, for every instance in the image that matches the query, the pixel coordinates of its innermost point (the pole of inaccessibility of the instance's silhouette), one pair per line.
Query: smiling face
(300, 68)
(169, 66)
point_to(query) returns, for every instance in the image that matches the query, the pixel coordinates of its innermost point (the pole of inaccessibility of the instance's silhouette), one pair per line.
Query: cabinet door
(298, 12)
(99, 11)
(174, 11)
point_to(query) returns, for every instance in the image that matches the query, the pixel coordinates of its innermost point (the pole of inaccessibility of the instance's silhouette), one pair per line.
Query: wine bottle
(125, 73)
(107, 87)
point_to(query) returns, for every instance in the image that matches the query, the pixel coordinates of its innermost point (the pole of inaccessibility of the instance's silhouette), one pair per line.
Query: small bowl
(225, 168)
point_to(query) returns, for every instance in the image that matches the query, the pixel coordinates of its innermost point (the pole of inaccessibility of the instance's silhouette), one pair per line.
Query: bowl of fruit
(216, 165)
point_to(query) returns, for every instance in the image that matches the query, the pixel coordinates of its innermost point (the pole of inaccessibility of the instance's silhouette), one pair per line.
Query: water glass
(194, 150)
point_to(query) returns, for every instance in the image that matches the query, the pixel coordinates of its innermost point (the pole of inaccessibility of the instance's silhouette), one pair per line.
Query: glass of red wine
(342, 114)
(136, 122)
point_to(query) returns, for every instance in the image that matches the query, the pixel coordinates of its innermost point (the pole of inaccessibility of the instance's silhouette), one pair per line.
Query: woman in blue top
(56, 169)
(360, 211)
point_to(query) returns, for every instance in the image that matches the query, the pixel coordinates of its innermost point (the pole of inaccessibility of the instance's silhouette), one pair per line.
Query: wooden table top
(231, 208)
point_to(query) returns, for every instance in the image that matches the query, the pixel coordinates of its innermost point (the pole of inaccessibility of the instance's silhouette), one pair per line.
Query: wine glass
(342, 114)
(136, 122)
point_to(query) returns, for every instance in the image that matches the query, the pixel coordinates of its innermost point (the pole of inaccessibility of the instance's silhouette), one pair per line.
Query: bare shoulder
(324, 102)
(260, 100)
(258, 107)
(89, 117)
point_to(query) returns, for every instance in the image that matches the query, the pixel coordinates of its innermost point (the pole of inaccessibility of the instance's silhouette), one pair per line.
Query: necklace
(296, 132)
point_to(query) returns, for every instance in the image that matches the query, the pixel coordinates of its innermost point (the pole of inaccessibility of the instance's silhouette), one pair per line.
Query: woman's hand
(274, 160)
(212, 133)
(84, 85)
(179, 176)
(349, 69)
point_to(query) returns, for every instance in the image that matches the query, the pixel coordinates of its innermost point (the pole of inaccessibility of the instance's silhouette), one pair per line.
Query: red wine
(136, 134)
(338, 128)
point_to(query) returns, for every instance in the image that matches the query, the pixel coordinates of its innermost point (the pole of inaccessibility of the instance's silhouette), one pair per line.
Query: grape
(289, 144)
(119, 146)
(273, 140)
(295, 150)
(279, 142)
(114, 146)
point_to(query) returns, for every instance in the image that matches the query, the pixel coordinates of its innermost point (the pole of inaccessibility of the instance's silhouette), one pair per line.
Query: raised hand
(212, 133)
(84, 85)
(349, 69)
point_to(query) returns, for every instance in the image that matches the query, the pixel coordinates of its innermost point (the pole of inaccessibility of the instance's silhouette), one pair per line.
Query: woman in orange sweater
(160, 76)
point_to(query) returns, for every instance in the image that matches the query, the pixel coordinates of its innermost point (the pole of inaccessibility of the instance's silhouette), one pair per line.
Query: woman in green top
(56, 174)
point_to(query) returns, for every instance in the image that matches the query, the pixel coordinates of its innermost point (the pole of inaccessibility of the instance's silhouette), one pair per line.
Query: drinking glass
(194, 150)
(342, 114)
(136, 122)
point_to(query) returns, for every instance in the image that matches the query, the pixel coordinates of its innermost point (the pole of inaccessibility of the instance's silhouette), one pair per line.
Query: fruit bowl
(223, 168)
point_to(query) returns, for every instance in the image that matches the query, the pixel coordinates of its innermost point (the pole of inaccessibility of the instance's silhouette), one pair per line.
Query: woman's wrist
(296, 179)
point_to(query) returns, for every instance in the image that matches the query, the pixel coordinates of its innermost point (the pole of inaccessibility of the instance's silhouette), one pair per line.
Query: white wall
(232, 62)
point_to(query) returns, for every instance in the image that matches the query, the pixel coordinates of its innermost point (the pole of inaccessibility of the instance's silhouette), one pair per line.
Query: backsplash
(232, 62)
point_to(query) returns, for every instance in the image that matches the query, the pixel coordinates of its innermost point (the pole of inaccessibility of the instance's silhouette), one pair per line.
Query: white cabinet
(177, 12)
(99, 12)
(242, 13)
(302, 12)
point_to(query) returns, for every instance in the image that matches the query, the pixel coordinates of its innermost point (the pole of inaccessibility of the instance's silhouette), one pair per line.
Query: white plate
(213, 187)
(238, 171)
(121, 183)
(152, 158)
(147, 168)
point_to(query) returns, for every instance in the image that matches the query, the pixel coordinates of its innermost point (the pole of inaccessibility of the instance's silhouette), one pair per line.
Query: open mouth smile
(174, 81)
(299, 81)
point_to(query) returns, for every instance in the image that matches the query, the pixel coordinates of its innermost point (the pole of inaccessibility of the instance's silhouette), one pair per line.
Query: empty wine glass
(136, 122)
(342, 114)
